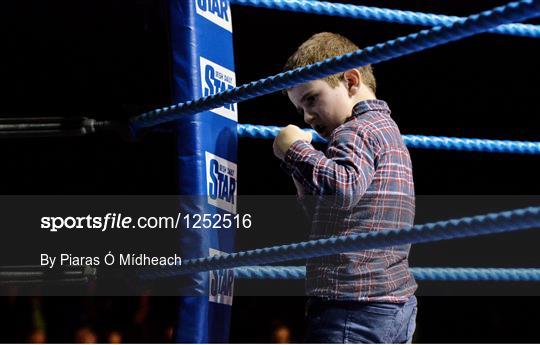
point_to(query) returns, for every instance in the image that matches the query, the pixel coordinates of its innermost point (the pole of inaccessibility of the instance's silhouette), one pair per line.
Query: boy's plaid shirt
(363, 183)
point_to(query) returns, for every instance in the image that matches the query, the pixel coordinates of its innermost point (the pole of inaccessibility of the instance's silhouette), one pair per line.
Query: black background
(110, 60)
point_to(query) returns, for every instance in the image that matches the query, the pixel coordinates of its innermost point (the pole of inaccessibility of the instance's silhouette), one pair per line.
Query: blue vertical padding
(203, 64)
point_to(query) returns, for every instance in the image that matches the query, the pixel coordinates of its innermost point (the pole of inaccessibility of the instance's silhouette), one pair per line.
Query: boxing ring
(206, 115)
(446, 29)
(205, 119)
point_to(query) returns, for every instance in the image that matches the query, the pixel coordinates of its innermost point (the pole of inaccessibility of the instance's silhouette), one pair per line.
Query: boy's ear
(353, 80)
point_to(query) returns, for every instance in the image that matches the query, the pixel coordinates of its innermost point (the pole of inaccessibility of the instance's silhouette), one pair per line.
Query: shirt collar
(370, 105)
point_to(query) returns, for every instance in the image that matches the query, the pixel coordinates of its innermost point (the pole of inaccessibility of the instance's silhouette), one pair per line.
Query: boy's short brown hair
(323, 46)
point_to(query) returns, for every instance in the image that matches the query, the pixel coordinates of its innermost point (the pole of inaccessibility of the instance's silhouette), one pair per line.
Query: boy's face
(324, 107)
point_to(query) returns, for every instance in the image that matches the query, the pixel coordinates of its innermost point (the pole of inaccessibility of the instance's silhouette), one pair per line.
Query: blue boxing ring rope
(514, 220)
(398, 47)
(205, 114)
(417, 141)
(380, 14)
(419, 273)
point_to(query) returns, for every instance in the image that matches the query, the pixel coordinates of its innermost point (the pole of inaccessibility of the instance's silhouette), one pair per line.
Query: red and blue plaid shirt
(363, 183)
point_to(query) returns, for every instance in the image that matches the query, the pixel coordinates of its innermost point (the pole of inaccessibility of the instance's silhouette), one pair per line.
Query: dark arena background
(110, 60)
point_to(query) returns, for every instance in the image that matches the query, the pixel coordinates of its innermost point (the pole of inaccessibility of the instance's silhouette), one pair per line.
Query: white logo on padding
(216, 11)
(214, 79)
(221, 283)
(221, 182)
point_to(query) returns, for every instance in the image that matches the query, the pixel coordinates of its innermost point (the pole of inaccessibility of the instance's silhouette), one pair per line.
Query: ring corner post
(202, 65)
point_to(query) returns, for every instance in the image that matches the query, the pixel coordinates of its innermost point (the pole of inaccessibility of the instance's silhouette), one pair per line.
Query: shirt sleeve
(342, 175)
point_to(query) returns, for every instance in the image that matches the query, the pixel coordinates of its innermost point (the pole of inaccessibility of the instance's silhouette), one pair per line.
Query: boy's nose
(308, 118)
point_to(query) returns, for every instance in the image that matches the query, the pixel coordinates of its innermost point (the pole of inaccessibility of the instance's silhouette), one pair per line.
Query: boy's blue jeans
(356, 322)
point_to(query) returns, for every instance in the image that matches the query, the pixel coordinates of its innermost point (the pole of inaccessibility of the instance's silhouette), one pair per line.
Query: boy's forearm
(345, 176)
(301, 158)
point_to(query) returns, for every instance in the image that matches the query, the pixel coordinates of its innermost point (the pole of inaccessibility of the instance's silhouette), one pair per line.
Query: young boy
(365, 179)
